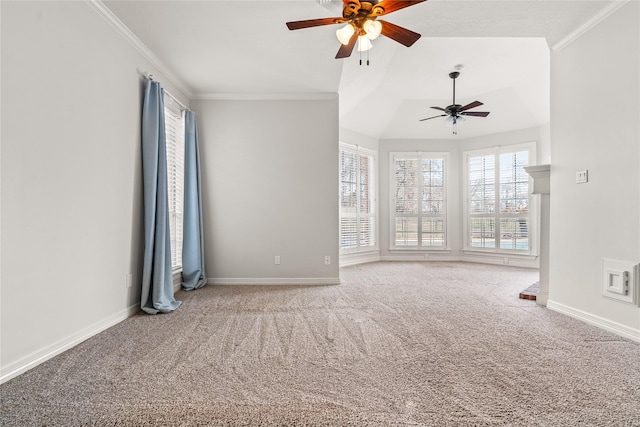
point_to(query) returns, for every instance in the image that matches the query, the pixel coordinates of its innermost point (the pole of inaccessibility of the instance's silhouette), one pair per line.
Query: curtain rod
(176, 100)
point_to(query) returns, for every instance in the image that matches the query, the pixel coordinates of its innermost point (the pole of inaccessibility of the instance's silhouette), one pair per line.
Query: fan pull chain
(360, 53)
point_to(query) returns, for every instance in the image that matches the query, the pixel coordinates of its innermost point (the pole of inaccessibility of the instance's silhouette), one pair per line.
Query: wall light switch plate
(582, 177)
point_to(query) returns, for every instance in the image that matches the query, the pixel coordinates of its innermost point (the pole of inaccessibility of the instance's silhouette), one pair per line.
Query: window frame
(532, 214)
(420, 155)
(373, 197)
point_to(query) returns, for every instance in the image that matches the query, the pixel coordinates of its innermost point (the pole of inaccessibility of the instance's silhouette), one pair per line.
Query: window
(174, 128)
(419, 210)
(357, 199)
(498, 207)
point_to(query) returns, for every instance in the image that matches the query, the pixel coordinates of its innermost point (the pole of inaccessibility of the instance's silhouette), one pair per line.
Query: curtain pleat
(193, 272)
(157, 279)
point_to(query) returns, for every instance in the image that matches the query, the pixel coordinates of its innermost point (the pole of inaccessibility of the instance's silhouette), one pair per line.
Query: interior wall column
(541, 185)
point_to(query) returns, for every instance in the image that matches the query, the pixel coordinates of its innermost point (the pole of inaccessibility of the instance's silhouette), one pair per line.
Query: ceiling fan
(362, 24)
(456, 113)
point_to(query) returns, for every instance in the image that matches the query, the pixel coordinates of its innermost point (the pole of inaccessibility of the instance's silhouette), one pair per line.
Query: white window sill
(494, 253)
(368, 249)
(420, 249)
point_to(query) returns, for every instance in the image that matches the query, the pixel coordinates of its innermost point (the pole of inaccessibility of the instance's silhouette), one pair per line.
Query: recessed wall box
(620, 280)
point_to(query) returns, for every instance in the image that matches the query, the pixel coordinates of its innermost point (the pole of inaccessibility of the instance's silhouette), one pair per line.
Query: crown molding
(106, 14)
(266, 96)
(595, 20)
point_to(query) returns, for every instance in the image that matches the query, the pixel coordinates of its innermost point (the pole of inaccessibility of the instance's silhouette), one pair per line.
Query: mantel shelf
(541, 178)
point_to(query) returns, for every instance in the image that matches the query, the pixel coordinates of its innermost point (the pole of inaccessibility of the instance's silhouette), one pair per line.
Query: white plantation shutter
(174, 128)
(357, 198)
(498, 200)
(348, 200)
(419, 215)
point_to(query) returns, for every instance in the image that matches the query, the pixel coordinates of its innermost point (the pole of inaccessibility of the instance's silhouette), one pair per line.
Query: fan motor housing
(453, 109)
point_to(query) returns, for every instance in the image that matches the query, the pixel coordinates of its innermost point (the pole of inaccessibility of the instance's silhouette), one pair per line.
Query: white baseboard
(274, 281)
(16, 368)
(600, 322)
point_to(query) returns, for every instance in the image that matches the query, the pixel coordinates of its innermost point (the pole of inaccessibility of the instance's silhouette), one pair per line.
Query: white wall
(455, 148)
(71, 178)
(270, 184)
(354, 138)
(595, 125)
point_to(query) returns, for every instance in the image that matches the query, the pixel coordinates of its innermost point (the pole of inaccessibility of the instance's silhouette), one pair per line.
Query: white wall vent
(620, 280)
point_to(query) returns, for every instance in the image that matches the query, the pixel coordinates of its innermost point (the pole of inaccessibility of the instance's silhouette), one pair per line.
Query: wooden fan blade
(392, 5)
(475, 113)
(297, 25)
(439, 108)
(429, 118)
(472, 105)
(345, 50)
(399, 34)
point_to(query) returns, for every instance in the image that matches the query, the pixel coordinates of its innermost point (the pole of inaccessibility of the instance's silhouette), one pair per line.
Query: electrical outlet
(129, 280)
(582, 177)
(327, 260)
(276, 260)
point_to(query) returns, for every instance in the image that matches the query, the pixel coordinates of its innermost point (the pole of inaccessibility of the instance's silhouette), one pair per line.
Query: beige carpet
(429, 344)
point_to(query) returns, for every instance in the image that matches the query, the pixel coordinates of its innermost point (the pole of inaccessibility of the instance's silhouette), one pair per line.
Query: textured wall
(270, 175)
(595, 126)
(71, 177)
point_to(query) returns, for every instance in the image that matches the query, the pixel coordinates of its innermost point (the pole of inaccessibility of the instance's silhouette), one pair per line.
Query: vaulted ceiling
(242, 49)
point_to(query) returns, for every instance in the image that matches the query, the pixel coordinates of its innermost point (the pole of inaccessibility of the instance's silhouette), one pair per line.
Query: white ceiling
(243, 49)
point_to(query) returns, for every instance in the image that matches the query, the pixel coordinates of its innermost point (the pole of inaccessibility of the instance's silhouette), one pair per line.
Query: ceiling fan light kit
(364, 43)
(372, 29)
(456, 113)
(362, 24)
(344, 34)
